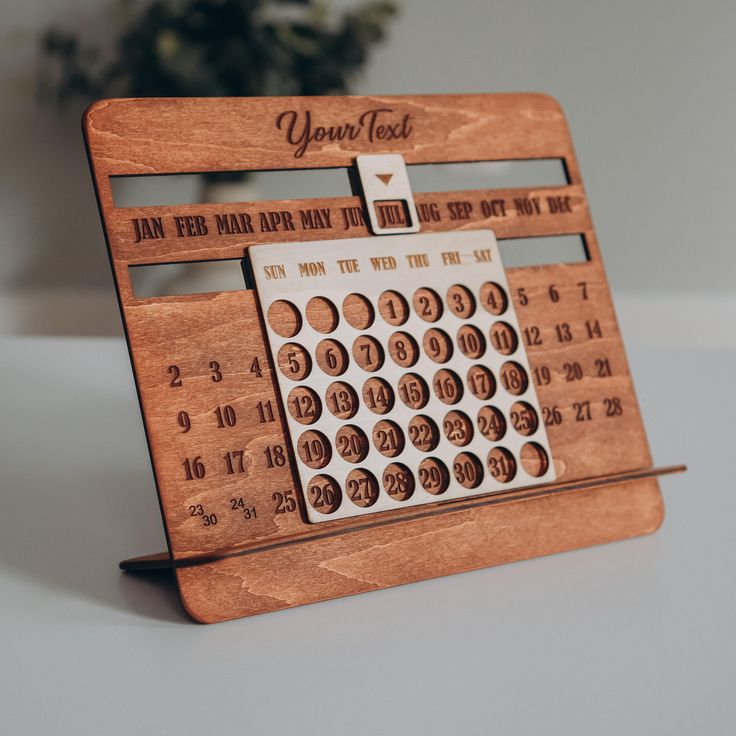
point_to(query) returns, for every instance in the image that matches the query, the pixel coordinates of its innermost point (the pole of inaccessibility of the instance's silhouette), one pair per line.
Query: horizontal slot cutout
(191, 277)
(542, 251)
(467, 175)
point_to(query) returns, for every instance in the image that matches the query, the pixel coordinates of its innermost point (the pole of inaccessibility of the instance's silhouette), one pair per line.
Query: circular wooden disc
(398, 481)
(341, 400)
(284, 318)
(294, 361)
(304, 405)
(468, 470)
(447, 386)
(437, 345)
(481, 382)
(413, 390)
(493, 298)
(501, 464)
(351, 443)
(458, 428)
(504, 338)
(314, 449)
(323, 494)
(423, 433)
(358, 311)
(331, 357)
(513, 378)
(322, 314)
(471, 342)
(403, 349)
(393, 308)
(534, 459)
(388, 438)
(378, 395)
(491, 423)
(427, 304)
(361, 487)
(368, 353)
(433, 476)
(524, 418)
(460, 301)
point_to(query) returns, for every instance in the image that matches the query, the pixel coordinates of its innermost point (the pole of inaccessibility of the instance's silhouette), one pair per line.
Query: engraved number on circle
(324, 494)
(294, 361)
(351, 443)
(388, 438)
(331, 357)
(403, 349)
(433, 476)
(491, 423)
(501, 464)
(523, 418)
(368, 353)
(284, 318)
(471, 341)
(460, 301)
(361, 487)
(437, 345)
(378, 396)
(358, 311)
(314, 449)
(467, 469)
(493, 298)
(304, 405)
(398, 481)
(413, 390)
(481, 382)
(423, 433)
(447, 386)
(393, 308)
(503, 338)
(534, 459)
(513, 378)
(341, 400)
(427, 304)
(322, 314)
(458, 428)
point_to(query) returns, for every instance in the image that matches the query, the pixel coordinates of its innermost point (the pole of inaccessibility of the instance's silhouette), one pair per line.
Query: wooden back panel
(197, 353)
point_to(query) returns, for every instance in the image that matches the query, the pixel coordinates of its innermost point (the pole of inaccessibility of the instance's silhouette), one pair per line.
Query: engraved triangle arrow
(385, 178)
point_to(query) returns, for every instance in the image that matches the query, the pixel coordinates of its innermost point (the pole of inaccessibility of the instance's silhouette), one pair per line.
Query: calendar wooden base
(248, 529)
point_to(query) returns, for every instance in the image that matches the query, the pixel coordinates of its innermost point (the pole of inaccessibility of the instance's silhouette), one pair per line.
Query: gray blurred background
(648, 92)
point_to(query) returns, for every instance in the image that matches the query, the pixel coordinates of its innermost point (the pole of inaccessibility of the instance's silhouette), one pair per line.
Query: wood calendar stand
(243, 535)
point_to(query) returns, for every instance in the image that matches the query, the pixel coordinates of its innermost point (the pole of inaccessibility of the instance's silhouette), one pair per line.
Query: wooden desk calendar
(382, 402)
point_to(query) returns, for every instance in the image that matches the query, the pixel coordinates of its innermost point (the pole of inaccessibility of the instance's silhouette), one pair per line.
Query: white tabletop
(635, 637)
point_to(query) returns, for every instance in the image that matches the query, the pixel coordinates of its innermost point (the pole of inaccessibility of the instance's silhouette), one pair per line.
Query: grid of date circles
(401, 370)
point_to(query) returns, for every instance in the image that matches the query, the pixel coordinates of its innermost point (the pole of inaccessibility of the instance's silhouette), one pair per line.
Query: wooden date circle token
(294, 361)
(427, 304)
(437, 345)
(460, 301)
(471, 342)
(393, 308)
(322, 314)
(403, 349)
(361, 487)
(388, 438)
(433, 476)
(423, 433)
(467, 470)
(314, 449)
(284, 318)
(368, 353)
(378, 395)
(523, 418)
(534, 459)
(447, 386)
(358, 311)
(493, 298)
(413, 390)
(331, 357)
(341, 400)
(398, 481)
(513, 378)
(491, 423)
(503, 338)
(481, 382)
(501, 464)
(458, 428)
(304, 405)
(324, 494)
(351, 443)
